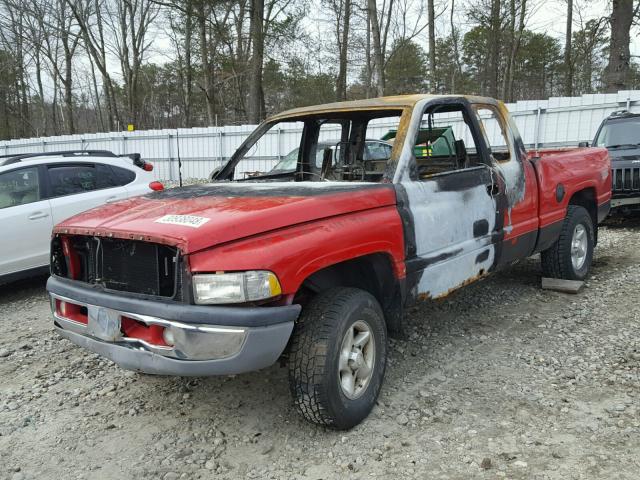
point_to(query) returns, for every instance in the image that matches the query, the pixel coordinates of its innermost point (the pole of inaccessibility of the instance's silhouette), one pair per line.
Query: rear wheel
(570, 257)
(338, 357)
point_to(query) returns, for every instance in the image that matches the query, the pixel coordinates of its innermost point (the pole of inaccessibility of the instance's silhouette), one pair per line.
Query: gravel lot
(500, 380)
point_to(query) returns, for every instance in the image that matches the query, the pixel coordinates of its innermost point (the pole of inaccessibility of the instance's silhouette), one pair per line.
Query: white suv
(38, 191)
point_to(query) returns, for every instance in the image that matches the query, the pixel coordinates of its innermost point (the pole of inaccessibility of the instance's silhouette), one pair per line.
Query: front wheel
(570, 257)
(338, 357)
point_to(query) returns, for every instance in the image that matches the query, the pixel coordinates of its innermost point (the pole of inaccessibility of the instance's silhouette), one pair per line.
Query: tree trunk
(207, 68)
(494, 48)
(341, 81)
(378, 54)
(368, 68)
(617, 71)
(568, 63)
(255, 106)
(432, 45)
(188, 67)
(515, 47)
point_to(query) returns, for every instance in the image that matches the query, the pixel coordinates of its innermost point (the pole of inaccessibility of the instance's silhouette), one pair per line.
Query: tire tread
(308, 353)
(552, 259)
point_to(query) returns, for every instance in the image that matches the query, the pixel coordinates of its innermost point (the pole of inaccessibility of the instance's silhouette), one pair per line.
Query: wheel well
(372, 273)
(586, 198)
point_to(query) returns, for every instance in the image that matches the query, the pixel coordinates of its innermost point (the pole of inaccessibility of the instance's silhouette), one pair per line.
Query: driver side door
(451, 208)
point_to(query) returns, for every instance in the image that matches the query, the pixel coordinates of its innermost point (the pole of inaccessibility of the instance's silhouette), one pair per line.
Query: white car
(38, 191)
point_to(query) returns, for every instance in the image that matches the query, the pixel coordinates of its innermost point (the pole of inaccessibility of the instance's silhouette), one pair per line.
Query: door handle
(38, 215)
(111, 199)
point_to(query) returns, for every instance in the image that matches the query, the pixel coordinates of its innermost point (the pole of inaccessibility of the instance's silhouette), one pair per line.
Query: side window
(19, 187)
(445, 142)
(274, 144)
(496, 134)
(123, 176)
(117, 176)
(377, 151)
(70, 179)
(105, 177)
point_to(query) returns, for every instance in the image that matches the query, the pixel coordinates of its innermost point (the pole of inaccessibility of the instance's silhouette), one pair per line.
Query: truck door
(451, 204)
(519, 222)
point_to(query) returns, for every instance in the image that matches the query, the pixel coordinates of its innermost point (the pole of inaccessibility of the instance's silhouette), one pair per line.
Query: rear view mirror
(583, 144)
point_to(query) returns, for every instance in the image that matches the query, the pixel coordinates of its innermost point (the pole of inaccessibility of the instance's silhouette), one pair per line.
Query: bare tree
(494, 47)
(12, 35)
(341, 10)
(517, 9)
(255, 110)
(129, 21)
(617, 71)
(432, 43)
(568, 64)
(90, 17)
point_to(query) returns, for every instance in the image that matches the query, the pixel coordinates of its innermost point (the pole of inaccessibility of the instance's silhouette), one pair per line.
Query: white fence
(553, 122)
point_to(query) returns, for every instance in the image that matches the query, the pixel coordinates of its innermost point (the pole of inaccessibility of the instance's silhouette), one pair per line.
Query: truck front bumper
(170, 338)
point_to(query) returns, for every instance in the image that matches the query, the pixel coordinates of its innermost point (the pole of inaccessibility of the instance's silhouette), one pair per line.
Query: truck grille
(122, 265)
(625, 180)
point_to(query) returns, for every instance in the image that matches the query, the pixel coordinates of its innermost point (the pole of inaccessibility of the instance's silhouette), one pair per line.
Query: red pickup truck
(316, 265)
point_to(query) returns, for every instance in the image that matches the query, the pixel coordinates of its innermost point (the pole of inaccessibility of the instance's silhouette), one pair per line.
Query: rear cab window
(496, 133)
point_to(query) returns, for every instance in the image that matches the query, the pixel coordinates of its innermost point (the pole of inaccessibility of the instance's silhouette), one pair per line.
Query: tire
(315, 358)
(557, 260)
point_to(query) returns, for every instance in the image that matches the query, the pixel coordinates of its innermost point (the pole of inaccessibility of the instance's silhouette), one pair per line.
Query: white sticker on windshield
(184, 220)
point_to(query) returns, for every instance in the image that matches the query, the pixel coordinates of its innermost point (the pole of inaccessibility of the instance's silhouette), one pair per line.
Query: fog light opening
(168, 337)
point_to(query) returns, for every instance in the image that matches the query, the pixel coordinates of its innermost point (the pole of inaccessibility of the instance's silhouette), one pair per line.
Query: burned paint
(264, 189)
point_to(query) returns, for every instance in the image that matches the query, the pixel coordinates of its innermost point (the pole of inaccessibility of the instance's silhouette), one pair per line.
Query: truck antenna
(179, 159)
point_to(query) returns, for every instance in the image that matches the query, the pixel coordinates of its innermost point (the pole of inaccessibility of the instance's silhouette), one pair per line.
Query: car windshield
(621, 133)
(331, 146)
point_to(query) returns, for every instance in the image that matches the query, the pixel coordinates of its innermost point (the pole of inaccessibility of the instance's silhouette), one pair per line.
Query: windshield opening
(333, 146)
(621, 133)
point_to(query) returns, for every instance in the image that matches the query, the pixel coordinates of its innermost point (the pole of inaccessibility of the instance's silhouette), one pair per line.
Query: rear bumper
(206, 340)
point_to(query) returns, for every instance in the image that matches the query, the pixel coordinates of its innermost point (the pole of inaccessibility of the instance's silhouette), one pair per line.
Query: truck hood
(201, 216)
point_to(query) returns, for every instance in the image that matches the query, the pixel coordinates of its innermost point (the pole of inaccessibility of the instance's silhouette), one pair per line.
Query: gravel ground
(500, 380)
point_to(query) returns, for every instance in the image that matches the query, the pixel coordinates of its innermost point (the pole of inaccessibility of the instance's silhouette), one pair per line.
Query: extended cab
(316, 265)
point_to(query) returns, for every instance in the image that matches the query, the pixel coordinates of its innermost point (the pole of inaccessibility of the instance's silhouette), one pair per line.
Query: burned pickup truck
(315, 265)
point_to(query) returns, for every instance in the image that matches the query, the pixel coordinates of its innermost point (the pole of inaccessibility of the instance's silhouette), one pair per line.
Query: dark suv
(620, 133)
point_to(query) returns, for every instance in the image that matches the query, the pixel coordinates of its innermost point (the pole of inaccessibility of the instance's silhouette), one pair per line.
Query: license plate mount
(104, 323)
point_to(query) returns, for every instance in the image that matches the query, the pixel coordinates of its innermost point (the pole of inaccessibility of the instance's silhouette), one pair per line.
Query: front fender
(296, 252)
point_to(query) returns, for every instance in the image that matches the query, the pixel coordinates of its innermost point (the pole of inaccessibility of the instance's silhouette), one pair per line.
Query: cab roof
(396, 102)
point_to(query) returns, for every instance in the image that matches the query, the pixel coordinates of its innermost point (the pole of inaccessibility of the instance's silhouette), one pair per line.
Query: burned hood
(201, 216)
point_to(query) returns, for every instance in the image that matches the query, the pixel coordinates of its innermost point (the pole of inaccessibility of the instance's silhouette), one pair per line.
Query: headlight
(236, 287)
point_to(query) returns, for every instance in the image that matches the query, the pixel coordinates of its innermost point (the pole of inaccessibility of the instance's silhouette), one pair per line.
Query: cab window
(377, 151)
(495, 132)
(19, 187)
(445, 141)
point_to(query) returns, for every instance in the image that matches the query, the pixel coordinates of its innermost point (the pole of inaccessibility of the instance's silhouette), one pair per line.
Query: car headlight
(237, 287)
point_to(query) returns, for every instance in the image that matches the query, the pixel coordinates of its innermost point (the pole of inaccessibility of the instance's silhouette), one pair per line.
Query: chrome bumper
(175, 347)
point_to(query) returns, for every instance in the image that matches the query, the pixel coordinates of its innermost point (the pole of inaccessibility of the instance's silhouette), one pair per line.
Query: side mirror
(583, 144)
(214, 173)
